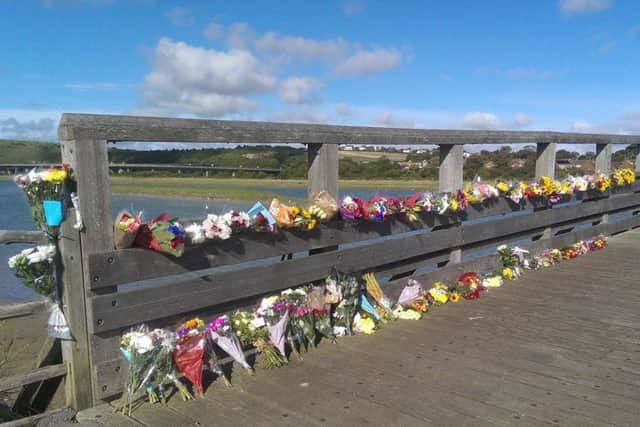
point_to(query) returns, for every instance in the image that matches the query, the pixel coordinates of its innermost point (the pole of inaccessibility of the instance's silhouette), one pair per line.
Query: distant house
(347, 148)
(518, 163)
(565, 163)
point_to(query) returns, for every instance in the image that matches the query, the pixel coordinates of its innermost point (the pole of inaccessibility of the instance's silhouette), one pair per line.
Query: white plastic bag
(57, 326)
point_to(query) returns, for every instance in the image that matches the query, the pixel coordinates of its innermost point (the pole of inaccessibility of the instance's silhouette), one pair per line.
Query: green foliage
(28, 152)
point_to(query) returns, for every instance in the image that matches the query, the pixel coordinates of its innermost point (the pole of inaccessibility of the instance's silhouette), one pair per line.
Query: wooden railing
(107, 291)
(49, 364)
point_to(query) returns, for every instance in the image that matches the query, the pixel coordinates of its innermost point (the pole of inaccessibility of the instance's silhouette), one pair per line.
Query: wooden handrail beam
(161, 129)
(20, 236)
(37, 375)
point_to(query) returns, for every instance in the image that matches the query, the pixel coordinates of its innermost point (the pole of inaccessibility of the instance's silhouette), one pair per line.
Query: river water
(15, 216)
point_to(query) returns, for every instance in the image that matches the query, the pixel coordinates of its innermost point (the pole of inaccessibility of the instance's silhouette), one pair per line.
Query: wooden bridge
(496, 361)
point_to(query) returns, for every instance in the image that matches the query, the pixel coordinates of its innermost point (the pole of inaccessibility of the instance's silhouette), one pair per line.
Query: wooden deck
(560, 346)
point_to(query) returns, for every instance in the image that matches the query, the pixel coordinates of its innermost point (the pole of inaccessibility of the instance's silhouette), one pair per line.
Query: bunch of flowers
(319, 300)
(252, 331)
(438, 294)
(221, 334)
(550, 189)
(190, 352)
(125, 229)
(323, 206)
(384, 305)
(347, 291)
(275, 315)
(301, 324)
(47, 191)
(351, 209)
(599, 183)
(470, 284)
(494, 281)
(412, 301)
(303, 218)
(364, 323)
(162, 235)
(34, 267)
(597, 243)
(478, 191)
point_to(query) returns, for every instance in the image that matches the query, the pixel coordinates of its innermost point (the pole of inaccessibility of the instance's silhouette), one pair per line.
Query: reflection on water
(16, 216)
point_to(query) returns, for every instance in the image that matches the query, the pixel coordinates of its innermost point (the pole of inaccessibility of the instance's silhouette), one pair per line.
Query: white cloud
(343, 57)
(365, 62)
(575, 7)
(389, 119)
(300, 90)
(607, 47)
(294, 47)
(37, 129)
(203, 82)
(480, 120)
(98, 86)
(180, 16)
(521, 120)
(582, 126)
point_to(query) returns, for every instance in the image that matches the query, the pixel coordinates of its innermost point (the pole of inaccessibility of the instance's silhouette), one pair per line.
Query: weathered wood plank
(323, 169)
(162, 129)
(8, 311)
(37, 375)
(21, 236)
(546, 160)
(72, 294)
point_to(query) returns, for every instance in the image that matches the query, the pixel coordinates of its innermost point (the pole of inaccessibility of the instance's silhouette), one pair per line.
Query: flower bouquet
(319, 301)
(190, 352)
(281, 213)
(140, 348)
(275, 315)
(375, 291)
(46, 193)
(438, 294)
(164, 369)
(347, 289)
(222, 334)
(215, 227)
(162, 235)
(300, 318)
(471, 285)
(34, 267)
(125, 230)
(351, 209)
(261, 219)
(252, 331)
(323, 206)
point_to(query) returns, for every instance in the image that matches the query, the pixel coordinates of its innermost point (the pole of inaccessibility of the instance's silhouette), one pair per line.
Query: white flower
(196, 233)
(34, 176)
(141, 343)
(257, 322)
(215, 227)
(13, 260)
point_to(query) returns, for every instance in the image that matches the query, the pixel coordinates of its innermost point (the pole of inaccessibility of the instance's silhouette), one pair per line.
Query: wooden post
(90, 163)
(637, 160)
(450, 177)
(546, 160)
(603, 158)
(323, 169)
(322, 176)
(603, 165)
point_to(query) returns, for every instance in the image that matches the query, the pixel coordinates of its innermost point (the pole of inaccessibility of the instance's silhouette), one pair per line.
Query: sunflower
(454, 297)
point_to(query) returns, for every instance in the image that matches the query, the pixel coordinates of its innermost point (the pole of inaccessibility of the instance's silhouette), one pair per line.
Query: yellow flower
(407, 314)
(502, 186)
(492, 282)
(305, 213)
(453, 205)
(366, 325)
(55, 176)
(507, 273)
(295, 210)
(311, 224)
(454, 297)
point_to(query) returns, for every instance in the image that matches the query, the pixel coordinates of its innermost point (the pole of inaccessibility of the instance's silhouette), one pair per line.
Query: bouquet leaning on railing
(221, 334)
(319, 301)
(275, 316)
(189, 352)
(347, 288)
(252, 331)
(162, 235)
(300, 318)
(164, 369)
(34, 267)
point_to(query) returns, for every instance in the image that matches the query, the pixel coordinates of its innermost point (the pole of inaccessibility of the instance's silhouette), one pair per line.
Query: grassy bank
(245, 189)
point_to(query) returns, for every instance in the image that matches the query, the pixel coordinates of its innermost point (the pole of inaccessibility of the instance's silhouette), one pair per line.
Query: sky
(564, 65)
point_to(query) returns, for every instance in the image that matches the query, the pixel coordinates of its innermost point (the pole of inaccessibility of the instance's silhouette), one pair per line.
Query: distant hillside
(28, 152)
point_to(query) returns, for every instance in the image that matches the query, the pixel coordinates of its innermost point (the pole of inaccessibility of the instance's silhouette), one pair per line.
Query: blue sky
(545, 64)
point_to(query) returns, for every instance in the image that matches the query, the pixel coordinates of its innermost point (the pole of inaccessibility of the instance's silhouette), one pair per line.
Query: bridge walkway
(560, 346)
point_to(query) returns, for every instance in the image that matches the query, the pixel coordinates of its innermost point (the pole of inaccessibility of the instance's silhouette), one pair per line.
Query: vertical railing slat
(546, 166)
(323, 169)
(603, 165)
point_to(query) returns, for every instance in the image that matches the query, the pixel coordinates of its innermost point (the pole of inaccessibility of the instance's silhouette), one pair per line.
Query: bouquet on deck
(222, 334)
(164, 369)
(302, 331)
(320, 305)
(34, 267)
(346, 289)
(470, 284)
(411, 299)
(275, 315)
(141, 349)
(125, 229)
(383, 304)
(46, 192)
(190, 352)
(162, 235)
(438, 294)
(252, 331)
